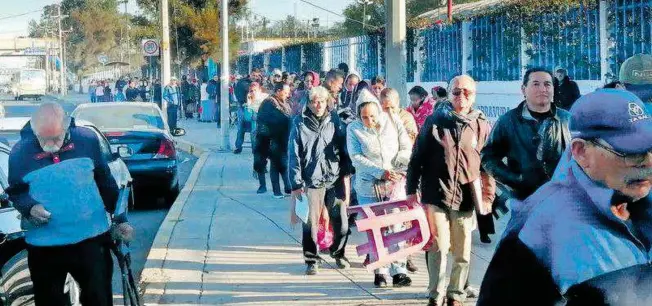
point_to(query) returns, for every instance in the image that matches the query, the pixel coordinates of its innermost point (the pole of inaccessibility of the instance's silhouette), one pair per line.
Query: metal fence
(496, 48)
(258, 61)
(630, 22)
(242, 66)
(443, 53)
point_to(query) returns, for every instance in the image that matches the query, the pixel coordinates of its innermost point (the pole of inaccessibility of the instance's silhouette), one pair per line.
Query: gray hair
(390, 94)
(48, 114)
(319, 92)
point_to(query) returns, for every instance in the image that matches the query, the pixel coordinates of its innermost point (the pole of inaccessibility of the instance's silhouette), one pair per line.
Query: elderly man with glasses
(445, 167)
(62, 186)
(585, 236)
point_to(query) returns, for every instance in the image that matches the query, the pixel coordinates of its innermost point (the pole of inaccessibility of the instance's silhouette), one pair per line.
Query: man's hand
(294, 219)
(298, 194)
(124, 232)
(413, 199)
(39, 214)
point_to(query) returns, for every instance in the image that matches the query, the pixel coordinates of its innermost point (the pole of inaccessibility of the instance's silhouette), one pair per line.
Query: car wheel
(17, 284)
(171, 195)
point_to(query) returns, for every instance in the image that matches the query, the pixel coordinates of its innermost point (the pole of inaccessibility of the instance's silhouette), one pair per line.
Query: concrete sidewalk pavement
(223, 244)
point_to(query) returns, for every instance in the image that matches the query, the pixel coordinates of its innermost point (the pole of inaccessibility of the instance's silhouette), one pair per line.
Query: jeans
(243, 127)
(93, 98)
(277, 168)
(319, 199)
(216, 116)
(173, 112)
(396, 267)
(89, 262)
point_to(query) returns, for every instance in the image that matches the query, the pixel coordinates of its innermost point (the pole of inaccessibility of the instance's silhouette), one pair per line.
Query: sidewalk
(222, 244)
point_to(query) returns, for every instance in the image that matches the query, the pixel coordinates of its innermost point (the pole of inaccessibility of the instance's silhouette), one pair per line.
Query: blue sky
(272, 9)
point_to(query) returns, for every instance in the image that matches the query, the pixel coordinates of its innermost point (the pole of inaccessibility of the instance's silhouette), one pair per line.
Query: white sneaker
(472, 292)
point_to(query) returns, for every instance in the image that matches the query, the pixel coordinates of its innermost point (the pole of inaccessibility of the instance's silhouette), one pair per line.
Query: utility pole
(224, 79)
(294, 25)
(62, 76)
(364, 12)
(395, 60)
(165, 52)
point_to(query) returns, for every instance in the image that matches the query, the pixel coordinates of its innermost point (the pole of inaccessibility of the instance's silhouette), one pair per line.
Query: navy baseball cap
(616, 116)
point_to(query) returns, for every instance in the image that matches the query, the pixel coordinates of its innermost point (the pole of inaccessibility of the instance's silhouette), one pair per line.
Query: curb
(153, 271)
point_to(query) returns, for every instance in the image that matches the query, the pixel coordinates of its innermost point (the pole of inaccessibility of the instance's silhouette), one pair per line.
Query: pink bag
(324, 234)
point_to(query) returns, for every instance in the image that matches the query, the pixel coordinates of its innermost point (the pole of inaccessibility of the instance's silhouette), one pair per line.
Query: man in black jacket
(568, 90)
(445, 167)
(532, 137)
(318, 167)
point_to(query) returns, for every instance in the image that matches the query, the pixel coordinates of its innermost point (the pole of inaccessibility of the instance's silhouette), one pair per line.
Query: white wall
(496, 98)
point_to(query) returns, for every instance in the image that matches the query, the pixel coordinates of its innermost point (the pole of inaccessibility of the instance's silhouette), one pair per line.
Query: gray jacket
(317, 154)
(374, 151)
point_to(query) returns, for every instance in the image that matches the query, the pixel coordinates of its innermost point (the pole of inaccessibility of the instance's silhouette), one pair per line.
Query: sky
(272, 9)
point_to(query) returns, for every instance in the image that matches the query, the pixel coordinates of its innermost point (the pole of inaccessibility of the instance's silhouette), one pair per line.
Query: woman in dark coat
(273, 133)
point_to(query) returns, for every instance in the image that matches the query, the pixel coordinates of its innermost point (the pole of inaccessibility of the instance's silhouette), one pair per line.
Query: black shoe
(401, 280)
(342, 263)
(380, 281)
(485, 238)
(312, 269)
(261, 189)
(278, 196)
(411, 267)
(288, 191)
(237, 151)
(433, 302)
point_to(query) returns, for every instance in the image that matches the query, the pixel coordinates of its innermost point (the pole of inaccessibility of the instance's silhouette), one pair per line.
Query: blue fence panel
(410, 46)
(366, 60)
(293, 58)
(275, 59)
(339, 52)
(258, 61)
(312, 57)
(242, 65)
(631, 25)
(496, 49)
(570, 40)
(443, 56)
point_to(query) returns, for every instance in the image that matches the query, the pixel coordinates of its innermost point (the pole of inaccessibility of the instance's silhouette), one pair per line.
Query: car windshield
(127, 117)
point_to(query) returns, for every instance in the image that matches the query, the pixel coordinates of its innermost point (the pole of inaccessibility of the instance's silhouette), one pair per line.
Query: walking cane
(121, 251)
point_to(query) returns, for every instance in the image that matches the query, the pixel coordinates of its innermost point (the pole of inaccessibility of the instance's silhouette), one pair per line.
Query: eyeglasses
(458, 91)
(630, 159)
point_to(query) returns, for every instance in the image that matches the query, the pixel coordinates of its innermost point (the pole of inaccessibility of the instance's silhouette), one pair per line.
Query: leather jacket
(532, 149)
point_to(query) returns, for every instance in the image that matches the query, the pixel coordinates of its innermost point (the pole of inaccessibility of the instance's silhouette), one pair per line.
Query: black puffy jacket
(532, 149)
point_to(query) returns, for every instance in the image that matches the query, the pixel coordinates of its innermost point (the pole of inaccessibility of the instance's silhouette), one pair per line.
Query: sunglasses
(458, 91)
(631, 159)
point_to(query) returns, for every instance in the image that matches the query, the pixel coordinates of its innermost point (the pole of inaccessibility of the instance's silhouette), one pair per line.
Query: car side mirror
(178, 132)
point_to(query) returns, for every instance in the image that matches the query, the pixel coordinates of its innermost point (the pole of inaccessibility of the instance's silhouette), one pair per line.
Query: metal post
(224, 80)
(62, 75)
(395, 59)
(47, 66)
(165, 53)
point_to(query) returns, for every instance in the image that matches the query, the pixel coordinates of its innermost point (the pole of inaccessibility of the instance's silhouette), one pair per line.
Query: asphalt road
(145, 219)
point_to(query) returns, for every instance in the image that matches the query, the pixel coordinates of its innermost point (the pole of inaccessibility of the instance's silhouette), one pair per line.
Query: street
(146, 219)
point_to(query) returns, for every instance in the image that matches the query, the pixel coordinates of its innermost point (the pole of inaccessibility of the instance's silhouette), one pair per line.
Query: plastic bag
(324, 233)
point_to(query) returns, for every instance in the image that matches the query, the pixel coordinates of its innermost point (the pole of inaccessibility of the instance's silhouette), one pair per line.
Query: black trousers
(341, 232)
(89, 262)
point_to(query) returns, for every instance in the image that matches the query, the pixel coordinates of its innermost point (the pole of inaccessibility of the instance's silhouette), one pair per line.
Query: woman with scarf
(300, 96)
(421, 107)
(272, 135)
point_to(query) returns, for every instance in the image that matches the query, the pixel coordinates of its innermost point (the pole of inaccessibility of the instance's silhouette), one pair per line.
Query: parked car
(138, 133)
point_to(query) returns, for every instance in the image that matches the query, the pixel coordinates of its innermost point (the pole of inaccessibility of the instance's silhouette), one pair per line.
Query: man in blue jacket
(62, 186)
(592, 219)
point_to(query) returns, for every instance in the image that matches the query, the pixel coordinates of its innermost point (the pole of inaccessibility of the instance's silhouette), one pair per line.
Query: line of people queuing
(345, 141)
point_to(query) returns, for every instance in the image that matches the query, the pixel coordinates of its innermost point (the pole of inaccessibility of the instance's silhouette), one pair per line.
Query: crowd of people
(336, 140)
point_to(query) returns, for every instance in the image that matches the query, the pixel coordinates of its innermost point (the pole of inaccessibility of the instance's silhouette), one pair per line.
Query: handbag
(324, 233)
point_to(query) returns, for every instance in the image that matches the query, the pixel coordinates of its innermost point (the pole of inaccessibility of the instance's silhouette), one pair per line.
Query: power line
(340, 15)
(19, 15)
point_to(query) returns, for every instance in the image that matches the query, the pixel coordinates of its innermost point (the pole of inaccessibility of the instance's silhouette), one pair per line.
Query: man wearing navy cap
(592, 219)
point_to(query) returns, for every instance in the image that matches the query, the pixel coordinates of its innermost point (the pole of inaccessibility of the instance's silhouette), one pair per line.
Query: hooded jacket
(348, 98)
(317, 154)
(564, 235)
(372, 151)
(300, 97)
(75, 185)
(446, 160)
